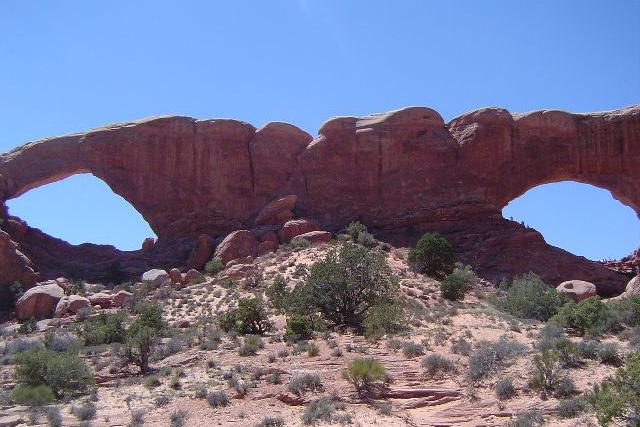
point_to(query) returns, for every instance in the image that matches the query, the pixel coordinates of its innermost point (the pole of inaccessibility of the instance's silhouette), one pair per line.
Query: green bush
(626, 310)
(432, 255)
(529, 297)
(251, 345)
(318, 410)
(64, 373)
(277, 293)
(570, 408)
(249, 318)
(106, 328)
(218, 398)
(345, 285)
(490, 355)
(618, 398)
(354, 229)
(436, 364)
(384, 318)
(214, 266)
(590, 316)
(302, 383)
(458, 282)
(142, 334)
(365, 374)
(33, 395)
(547, 374)
(298, 326)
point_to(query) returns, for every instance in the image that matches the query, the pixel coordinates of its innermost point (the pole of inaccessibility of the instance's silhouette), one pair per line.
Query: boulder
(577, 289)
(632, 288)
(316, 237)
(39, 302)
(266, 247)
(121, 298)
(201, 252)
(238, 244)
(157, 277)
(71, 304)
(101, 299)
(277, 211)
(295, 228)
(191, 275)
(175, 275)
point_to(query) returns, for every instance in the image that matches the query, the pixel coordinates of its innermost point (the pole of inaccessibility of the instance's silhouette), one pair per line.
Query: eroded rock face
(405, 168)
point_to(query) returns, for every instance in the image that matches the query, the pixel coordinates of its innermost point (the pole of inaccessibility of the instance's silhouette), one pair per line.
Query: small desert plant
(218, 398)
(313, 350)
(588, 349)
(489, 356)
(411, 349)
(590, 316)
(365, 374)
(609, 354)
(151, 381)
(386, 317)
(546, 371)
(436, 364)
(178, 418)
(456, 284)
(432, 255)
(271, 422)
(461, 346)
(162, 400)
(250, 346)
(570, 408)
(354, 229)
(530, 418)
(305, 382)
(105, 328)
(505, 388)
(249, 318)
(319, 410)
(62, 342)
(299, 326)
(86, 411)
(54, 419)
(137, 418)
(214, 266)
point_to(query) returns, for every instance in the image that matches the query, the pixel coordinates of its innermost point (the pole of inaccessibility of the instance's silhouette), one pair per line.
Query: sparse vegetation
(456, 284)
(505, 389)
(365, 374)
(302, 383)
(528, 297)
(214, 266)
(218, 398)
(249, 318)
(435, 364)
(488, 356)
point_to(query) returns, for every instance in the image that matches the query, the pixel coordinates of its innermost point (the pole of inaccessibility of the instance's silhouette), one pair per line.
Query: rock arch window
(82, 208)
(580, 218)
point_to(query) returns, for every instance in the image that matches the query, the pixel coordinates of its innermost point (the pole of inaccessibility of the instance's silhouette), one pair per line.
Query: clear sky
(72, 65)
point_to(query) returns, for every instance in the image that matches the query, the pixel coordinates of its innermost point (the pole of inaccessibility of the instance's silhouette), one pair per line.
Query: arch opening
(580, 218)
(82, 209)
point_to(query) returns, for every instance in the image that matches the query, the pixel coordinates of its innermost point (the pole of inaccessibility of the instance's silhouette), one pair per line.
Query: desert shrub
(365, 374)
(86, 411)
(277, 293)
(250, 346)
(626, 310)
(567, 353)
(217, 399)
(461, 346)
(528, 297)
(302, 383)
(274, 378)
(436, 364)
(105, 328)
(313, 350)
(54, 419)
(318, 410)
(564, 388)
(297, 243)
(411, 349)
(588, 349)
(28, 326)
(530, 418)
(249, 318)
(214, 266)
(151, 381)
(16, 290)
(366, 239)
(33, 395)
(142, 334)
(384, 318)
(617, 398)
(65, 373)
(62, 342)
(137, 418)
(609, 354)
(590, 316)
(19, 345)
(432, 255)
(299, 326)
(505, 388)
(345, 284)
(570, 408)
(490, 355)
(456, 284)
(271, 422)
(162, 400)
(546, 373)
(354, 229)
(178, 418)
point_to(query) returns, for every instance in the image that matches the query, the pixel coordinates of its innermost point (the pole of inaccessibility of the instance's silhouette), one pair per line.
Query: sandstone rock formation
(577, 290)
(238, 244)
(157, 277)
(400, 173)
(39, 302)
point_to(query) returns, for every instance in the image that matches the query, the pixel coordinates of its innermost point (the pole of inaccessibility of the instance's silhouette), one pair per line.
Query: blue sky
(73, 65)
